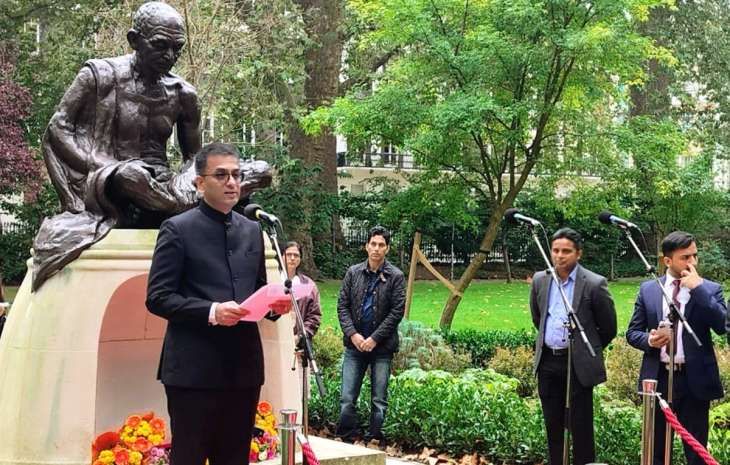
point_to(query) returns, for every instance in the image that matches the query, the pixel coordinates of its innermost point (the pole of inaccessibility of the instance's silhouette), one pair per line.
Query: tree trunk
(322, 19)
(447, 316)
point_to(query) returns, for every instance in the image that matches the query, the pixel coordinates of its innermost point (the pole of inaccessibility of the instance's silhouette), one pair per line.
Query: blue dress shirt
(556, 333)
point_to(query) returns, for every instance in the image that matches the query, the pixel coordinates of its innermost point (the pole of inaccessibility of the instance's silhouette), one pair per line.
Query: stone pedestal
(80, 354)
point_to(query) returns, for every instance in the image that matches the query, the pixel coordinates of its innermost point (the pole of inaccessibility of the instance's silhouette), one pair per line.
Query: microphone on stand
(513, 215)
(607, 217)
(253, 211)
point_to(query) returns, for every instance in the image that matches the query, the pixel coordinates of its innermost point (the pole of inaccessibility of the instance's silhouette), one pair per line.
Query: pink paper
(259, 303)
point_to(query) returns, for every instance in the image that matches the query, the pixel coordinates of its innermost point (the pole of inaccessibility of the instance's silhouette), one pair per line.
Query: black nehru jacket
(204, 256)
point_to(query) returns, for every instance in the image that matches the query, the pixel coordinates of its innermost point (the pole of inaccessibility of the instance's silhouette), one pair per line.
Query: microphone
(609, 218)
(513, 216)
(254, 212)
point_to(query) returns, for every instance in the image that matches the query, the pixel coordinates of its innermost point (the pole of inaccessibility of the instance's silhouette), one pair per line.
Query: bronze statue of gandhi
(106, 145)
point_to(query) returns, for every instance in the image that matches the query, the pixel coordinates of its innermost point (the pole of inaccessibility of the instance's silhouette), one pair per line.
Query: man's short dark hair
(676, 240)
(379, 231)
(571, 234)
(214, 148)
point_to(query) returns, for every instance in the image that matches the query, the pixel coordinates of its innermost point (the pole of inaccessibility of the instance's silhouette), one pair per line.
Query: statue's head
(157, 37)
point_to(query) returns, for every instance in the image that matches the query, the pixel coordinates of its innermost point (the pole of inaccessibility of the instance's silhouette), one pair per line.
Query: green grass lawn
(486, 304)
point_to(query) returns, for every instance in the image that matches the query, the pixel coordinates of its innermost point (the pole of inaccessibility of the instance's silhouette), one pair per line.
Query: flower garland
(140, 440)
(137, 442)
(265, 440)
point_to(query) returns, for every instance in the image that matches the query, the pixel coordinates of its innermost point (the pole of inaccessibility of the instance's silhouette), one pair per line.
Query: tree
(482, 91)
(19, 170)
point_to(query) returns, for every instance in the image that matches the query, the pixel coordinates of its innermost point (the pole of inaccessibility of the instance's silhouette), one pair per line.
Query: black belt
(557, 352)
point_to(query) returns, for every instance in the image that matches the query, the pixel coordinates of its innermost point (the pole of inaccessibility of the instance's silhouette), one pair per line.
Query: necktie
(675, 293)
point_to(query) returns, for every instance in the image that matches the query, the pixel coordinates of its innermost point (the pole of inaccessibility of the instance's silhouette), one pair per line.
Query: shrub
(623, 364)
(723, 363)
(328, 348)
(719, 439)
(481, 345)
(478, 411)
(425, 348)
(516, 363)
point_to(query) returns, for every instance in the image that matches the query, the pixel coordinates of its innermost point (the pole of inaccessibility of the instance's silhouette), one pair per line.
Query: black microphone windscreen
(249, 211)
(605, 217)
(509, 215)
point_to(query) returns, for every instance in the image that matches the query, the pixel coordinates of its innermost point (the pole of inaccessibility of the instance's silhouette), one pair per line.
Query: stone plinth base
(81, 353)
(330, 452)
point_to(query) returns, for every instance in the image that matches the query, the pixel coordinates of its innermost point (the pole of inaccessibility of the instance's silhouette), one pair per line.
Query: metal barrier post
(288, 433)
(648, 394)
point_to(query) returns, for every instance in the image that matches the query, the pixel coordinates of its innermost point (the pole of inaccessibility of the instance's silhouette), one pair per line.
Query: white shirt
(683, 298)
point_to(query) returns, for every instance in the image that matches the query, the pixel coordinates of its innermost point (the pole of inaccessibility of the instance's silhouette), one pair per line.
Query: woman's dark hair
(571, 234)
(294, 244)
(676, 240)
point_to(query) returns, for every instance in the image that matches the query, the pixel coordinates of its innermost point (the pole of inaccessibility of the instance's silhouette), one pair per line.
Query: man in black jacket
(370, 307)
(207, 261)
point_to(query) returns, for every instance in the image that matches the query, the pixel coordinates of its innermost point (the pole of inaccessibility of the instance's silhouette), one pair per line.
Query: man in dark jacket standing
(696, 375)
(206, 262)
(370, 307)
(588, 295)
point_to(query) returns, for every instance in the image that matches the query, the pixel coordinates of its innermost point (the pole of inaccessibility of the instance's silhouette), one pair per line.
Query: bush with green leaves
(328, 347)
(719, 439)
(482, 345)
(623, 364)
(517, 363)
(425, 348)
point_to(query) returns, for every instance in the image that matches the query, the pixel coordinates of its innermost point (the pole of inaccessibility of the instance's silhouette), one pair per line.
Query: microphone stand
(674, 318)
(573, 324)
(308, 352)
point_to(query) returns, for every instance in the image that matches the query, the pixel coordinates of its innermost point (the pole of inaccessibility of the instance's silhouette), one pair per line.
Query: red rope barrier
(308, 453)
(688, 438)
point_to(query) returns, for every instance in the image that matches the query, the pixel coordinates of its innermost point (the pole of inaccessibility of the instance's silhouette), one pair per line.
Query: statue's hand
(97, 162)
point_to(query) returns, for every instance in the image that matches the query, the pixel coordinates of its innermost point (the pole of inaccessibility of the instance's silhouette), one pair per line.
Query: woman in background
(308, 305)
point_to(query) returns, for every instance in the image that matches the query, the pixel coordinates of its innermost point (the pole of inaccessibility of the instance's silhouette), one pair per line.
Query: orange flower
(98, 462)
(142, 445)
(157, 424)
(121, 456)
(264, 408)
(133, 421)
(103, 441)
(148, 416)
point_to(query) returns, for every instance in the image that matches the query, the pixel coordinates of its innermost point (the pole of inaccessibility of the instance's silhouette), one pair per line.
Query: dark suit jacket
(390, 298)
(203, 256)
(595, 310)
(705, 309)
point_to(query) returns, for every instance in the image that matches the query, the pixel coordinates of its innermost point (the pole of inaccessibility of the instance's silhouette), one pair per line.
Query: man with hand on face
(588, 294)
(207, 261)
(370, 307)
(696, 376)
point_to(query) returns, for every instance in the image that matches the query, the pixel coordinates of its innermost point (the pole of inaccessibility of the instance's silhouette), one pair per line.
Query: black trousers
(551, 383)
(213, 424)
(692, 412)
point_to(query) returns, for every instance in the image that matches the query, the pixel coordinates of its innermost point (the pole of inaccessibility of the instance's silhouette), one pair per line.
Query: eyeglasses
(223, 176)
(292, 255)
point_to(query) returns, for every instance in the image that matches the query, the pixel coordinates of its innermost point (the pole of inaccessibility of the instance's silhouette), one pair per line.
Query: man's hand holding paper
(271, 297)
